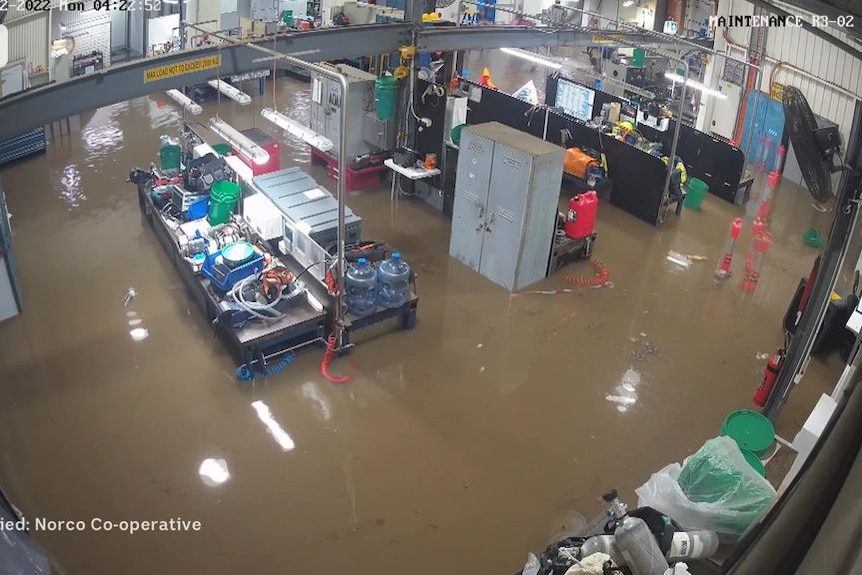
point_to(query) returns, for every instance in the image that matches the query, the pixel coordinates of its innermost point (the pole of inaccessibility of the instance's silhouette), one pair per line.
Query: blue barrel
(361, 288)
(394, 275)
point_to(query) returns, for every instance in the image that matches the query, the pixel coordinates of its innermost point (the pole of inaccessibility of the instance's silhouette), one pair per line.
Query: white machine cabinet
(506, 196)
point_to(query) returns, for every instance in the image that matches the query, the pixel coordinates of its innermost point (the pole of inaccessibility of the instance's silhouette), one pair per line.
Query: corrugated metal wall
(28, 37)
(91, 30)
(819, 58)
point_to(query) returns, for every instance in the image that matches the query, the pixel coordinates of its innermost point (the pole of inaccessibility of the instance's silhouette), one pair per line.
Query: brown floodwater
(457, 448)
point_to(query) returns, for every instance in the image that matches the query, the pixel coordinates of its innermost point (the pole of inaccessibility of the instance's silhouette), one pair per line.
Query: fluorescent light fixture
(628, 3)
(531, 57)
(187, 103)
(237, 96)
(296, 129)
(676, 78)
(239, 141)
(273, 427)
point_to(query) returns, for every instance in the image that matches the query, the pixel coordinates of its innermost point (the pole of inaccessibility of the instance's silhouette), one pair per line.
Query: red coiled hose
(601, 277)
(332, 285)
(327, 357)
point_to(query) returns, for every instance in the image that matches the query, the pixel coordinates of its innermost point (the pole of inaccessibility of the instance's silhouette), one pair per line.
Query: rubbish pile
(684, 513)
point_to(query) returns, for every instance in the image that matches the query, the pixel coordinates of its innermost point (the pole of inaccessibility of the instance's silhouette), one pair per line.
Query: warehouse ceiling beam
(46, 104)
(485, 37)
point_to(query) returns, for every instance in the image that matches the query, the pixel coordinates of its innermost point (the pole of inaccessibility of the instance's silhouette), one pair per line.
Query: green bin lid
(221, 149)
(754, 461)
(750, 430)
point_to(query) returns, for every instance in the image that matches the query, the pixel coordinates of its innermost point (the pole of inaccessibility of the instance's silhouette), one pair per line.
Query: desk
(302, 325)
(409, 173)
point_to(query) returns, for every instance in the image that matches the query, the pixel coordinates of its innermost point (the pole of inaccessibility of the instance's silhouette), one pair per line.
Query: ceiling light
(296, 129)
(628, 3)
(187, 103)
(676, 78)
(237, 96)
(531, 57)
(239, 141)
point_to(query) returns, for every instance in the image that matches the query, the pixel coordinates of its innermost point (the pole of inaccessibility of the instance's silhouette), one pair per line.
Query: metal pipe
(671, 161)
(342, 162)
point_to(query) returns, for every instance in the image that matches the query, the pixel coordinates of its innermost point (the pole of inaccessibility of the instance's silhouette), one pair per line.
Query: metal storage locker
(506, 196)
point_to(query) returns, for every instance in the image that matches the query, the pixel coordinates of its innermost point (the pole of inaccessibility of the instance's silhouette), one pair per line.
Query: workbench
(255, 341)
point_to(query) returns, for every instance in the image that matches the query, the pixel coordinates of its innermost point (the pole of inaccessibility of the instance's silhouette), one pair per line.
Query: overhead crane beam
(46, 104)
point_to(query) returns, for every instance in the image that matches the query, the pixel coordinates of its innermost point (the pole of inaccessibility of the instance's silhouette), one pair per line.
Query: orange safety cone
(485, 79)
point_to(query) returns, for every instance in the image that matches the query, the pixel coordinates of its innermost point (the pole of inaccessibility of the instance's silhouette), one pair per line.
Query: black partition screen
(638, 177)
(707, 158)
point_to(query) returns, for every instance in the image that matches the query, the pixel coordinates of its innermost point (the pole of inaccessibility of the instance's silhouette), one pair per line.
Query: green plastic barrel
(385, 95)
(169, 157)
(697, 190)
(221, 149)
(750, 430)
(223, 197)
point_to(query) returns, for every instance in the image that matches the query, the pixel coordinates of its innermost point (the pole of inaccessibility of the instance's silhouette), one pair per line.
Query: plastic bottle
(361, 289)
(639, 548)
(602, 544)
(394, 275)
(692, 545)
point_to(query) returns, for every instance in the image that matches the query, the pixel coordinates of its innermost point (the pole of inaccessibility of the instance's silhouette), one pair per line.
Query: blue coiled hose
(245, 371)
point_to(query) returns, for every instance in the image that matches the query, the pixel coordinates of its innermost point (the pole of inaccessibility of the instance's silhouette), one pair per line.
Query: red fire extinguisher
(770, 374)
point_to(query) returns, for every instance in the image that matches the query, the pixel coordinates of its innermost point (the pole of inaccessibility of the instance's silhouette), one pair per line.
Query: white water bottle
(639, 548)
(692, 545)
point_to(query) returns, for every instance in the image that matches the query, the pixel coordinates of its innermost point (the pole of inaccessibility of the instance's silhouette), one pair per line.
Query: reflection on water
(273, 427)
(161, 113)
(626, 391)
(102, 135)
(69, 187)
(298, 108)
(213, 471)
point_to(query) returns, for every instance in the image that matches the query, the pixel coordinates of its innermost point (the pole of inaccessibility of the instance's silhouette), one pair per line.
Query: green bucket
(754, 461)
(385, 96)
(455, 134)
(170, 156)
(221, 149)
(223, 197)
(750, 430)
(697, 190)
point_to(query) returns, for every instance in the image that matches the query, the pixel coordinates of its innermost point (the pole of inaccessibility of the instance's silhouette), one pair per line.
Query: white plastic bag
(720, 491)
(528, 93)
(532, 566)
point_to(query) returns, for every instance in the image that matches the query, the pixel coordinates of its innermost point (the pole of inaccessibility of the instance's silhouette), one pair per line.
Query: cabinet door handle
(490, 221)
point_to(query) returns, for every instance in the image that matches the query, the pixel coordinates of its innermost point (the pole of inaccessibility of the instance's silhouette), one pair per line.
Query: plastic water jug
(361, 289)
(394, 275)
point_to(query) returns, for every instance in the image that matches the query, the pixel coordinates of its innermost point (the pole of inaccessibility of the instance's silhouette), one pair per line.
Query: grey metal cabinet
(507, 189)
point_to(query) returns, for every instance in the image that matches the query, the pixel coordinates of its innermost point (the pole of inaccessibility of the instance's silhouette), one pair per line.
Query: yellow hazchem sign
(180, 68)
(607, 39)
(776, 91)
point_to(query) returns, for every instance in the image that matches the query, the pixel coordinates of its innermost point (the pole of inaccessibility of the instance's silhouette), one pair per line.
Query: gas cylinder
(581, 218)
(770, 374)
